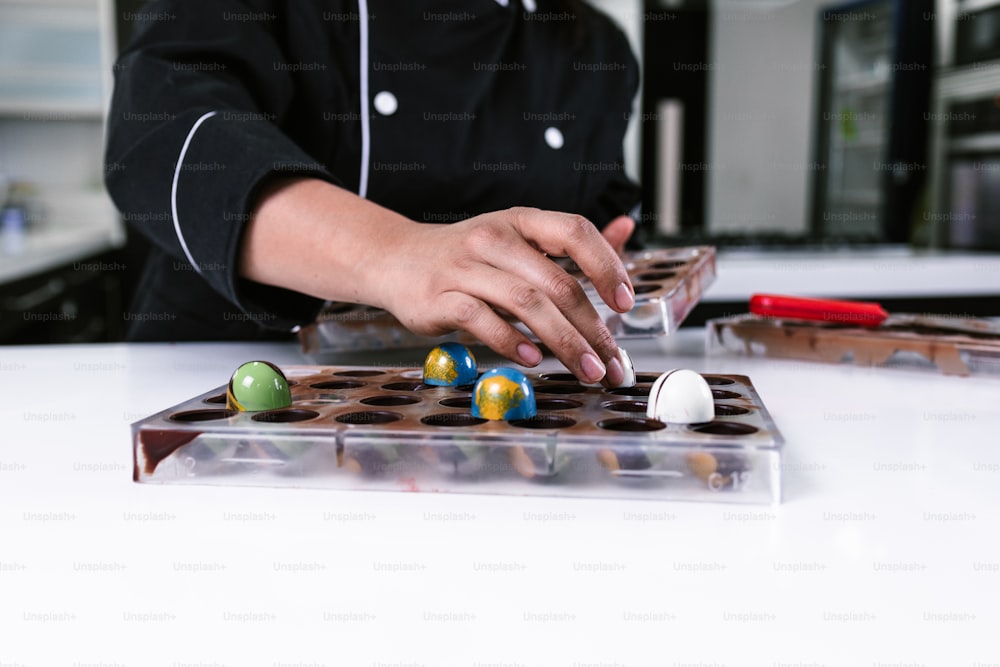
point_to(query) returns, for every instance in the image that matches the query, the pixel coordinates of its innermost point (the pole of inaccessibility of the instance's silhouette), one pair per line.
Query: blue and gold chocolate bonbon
(450, 365)
(504, 394)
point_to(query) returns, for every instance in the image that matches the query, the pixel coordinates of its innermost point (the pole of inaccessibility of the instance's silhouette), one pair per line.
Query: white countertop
(857, 273)
(884, 552)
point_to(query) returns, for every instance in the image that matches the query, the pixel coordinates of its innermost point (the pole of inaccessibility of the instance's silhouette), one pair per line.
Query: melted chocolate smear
(158, 445)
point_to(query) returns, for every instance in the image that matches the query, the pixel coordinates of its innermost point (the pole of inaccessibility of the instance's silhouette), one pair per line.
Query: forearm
(313, 237)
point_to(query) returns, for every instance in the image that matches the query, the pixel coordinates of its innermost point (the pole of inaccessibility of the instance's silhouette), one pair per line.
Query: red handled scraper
(864, 314)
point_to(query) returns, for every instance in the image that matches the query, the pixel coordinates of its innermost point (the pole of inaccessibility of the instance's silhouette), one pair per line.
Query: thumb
(618, 231)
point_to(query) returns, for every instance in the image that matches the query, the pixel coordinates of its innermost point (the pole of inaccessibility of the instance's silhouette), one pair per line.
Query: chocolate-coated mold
(668, 284)
(388, 431)
(951, 352)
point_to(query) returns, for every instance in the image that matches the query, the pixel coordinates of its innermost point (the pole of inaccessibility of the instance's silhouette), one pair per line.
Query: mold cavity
(630, 391)
(625, 406)
(285, 416)
(631, 424)
(646, 377)
(723, 410)
(406, 386)
(390, 400)
(218, 399)
(724, 428)
(323, 398)
(201, 415)
(656, 275)
(543, 422)
(452, 419)
(719, 394)
(338, 384)
(369, 417)
(558, 377)
(716, 381)
(465, 387)
(359, 374)
(542, 388)
(645, 288)
(667, 265)
(464, 402)
(556, 404)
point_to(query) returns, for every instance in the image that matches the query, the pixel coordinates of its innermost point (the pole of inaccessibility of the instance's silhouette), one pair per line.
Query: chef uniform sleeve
(193, 135)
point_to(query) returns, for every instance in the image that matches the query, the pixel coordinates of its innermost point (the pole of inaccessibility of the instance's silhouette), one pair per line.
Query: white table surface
(886, 550)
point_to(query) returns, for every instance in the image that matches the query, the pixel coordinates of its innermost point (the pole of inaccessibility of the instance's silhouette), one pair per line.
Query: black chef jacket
(439, 110)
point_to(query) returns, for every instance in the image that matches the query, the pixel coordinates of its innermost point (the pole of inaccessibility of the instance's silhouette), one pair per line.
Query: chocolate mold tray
(668, 285)
(371, 428)
(953, 353)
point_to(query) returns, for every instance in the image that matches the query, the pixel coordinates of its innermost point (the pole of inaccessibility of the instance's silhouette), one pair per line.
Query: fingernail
(623, 297)
(529, 354)
(592, 367)
(616, 373)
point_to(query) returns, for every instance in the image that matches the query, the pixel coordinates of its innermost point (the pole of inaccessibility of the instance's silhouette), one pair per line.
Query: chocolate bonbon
(450, 365)
(256, 386)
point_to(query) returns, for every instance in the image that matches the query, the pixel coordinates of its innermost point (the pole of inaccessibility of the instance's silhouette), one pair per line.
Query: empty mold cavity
(626, 406)
(631, 424)
(556, 404)
(359, 374)
(645, 288)
(201, 415)
(558, 377)
(406, 386)
(390, 400)
(285, 416)
(656, 275)
(452, 419)
(338, 384)
(667, 265)
(721, 394)
(723, 410)
(218, 399)
(646, 377)
(716, 381)
(369, 417)
(724, 428)
(542, 388)
(542, 422)
(464, 402)
(630, 391)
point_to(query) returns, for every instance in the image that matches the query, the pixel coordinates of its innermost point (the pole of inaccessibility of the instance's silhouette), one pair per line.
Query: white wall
(761, 102)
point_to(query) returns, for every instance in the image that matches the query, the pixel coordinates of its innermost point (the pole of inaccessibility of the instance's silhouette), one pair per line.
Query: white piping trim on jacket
(173, 188)
(365, 120)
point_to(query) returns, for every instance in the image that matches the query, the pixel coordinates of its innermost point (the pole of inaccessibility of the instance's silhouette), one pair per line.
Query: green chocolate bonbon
(257, 386)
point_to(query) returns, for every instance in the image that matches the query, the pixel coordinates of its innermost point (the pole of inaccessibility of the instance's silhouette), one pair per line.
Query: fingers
(468, 313)
(618, 232)
(574, 332)
(563, 234)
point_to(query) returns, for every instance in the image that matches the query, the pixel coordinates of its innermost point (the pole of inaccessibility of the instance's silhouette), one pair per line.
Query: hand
(439, 278)
(618, 232)
(315, 238)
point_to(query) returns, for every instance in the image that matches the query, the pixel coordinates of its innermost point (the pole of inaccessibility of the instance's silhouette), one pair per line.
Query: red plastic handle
(861, 313)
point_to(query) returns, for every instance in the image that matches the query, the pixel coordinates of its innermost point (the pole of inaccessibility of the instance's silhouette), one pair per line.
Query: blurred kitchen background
(860, 138)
